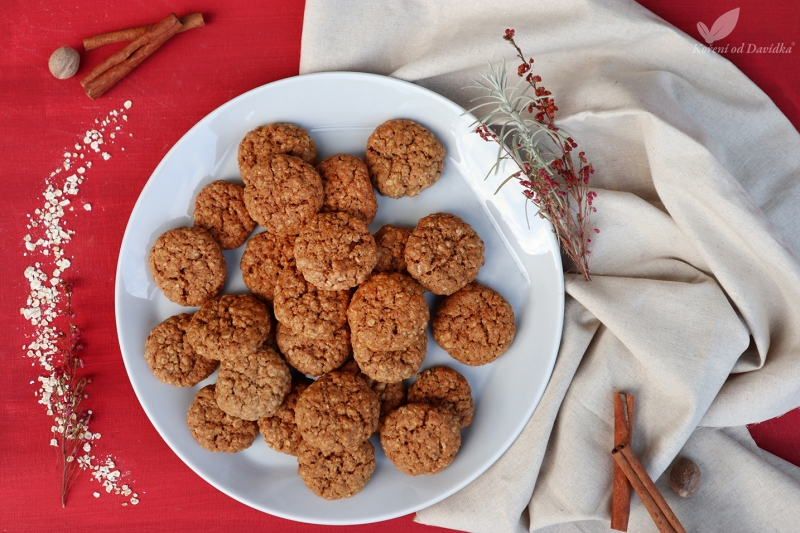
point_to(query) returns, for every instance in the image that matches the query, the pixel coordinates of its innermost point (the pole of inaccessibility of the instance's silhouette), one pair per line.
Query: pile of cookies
(335, 290)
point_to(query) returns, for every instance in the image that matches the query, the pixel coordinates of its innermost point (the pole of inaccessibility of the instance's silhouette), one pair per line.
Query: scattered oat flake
(47, 239)
(128, 104)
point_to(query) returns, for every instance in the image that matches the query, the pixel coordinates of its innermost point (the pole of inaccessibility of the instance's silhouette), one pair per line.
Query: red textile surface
(241, 48)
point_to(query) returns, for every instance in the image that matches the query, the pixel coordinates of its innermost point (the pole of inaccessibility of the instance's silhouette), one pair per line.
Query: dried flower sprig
(523, 126)
(67, 391)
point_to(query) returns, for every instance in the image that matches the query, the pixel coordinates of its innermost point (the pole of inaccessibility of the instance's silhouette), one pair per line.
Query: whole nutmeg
(64, 63)
(685, 478)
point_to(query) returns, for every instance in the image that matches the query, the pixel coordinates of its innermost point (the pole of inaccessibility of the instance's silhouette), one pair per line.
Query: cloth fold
(696, 286)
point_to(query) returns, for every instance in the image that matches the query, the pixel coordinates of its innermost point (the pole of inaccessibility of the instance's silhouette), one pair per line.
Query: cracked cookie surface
(337, 412)
(391, 366)
(335, 251)
(336, 475)
(347, 187)
(388, 311)
(403, 158)
(446, 389)
(170, 356)
(314, 357)
(264, 257)
(220, 209)
(230, 325)
(187, 265)
(216, 430)
(279, 430)
(475, 325)
(419, 439)
(261, 143)
(283, 194)
(391, 241)
(253, 386)
(443, 253)
(307, 310)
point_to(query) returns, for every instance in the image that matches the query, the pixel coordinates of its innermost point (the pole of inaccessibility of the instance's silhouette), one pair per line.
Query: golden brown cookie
(279, 430)
(391, 395)
(187, 265)
(347, 187)
(253, 386)
(391, 366)
(337, 412)
(419, 439)
(446, 389)
(230, 325)
(170, 356)
(214, 429)
(314, 357)
(264, 257)
(220, 209)
(403, 158)
(444, 253)
(475, 325)
(387, 312)
(306, 309)
(336, 475)
(263, 142)
(335, 251)
(283, 194)
(391, 241)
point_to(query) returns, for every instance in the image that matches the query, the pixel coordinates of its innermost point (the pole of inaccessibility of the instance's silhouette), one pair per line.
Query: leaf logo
(721, 28)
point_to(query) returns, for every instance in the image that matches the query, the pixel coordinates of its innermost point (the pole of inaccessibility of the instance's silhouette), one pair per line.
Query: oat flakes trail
(46, 245)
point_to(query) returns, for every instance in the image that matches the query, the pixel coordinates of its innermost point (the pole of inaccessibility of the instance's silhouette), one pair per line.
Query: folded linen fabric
(695, 297)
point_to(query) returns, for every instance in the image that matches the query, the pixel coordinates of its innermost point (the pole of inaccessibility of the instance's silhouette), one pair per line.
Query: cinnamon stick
(653, 501)
(116, 67)
(651, 487)
(621, 489)
(188, 22)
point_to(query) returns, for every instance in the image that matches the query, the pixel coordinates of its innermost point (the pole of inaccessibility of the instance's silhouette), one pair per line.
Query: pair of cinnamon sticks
(144, 41)
(629, 472)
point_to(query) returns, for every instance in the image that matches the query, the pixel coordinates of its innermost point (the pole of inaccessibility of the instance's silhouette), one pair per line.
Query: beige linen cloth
(694, 306)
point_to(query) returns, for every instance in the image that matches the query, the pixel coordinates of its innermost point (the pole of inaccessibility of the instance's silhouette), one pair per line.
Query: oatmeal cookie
(337, 412)
(391, 366)
(419, 439)
(283, 194)
(215, 430)
(335, 251)
(391, 241)
(264, 257)
(187, 265)
(475, 325)
(279, 430)
(391, 395)
(446, 389)
(388, 311)
(314, 357)
(336, 475)
(403, 158)
(347, 187)
(253, 386)
(306, 309)
(220, 209)
(263, 142)
(170, 356)
(444, 253)
(230, 325)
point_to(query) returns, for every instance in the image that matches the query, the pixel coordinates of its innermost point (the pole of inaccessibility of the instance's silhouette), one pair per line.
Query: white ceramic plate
(340, 110)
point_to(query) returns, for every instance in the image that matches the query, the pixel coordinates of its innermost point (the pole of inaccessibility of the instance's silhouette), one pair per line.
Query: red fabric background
(242, 47)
